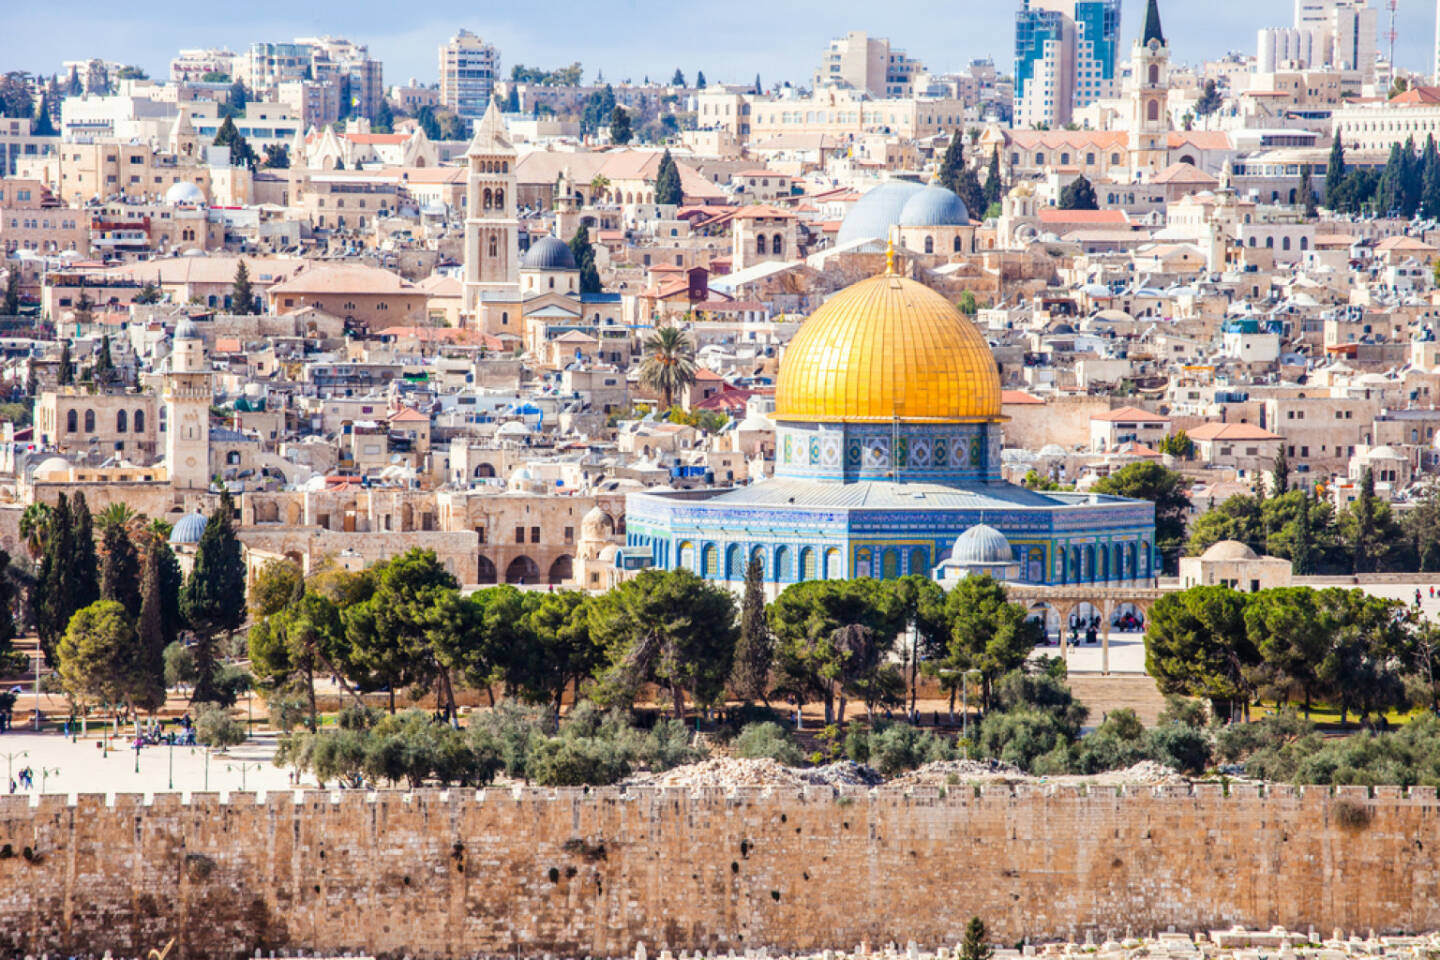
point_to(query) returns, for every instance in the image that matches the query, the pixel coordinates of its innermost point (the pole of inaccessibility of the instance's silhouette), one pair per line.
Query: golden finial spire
(890, 253)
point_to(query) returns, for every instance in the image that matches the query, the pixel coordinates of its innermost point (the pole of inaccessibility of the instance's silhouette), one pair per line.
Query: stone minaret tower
(492, 250)
(1149, 119)
(188, 394)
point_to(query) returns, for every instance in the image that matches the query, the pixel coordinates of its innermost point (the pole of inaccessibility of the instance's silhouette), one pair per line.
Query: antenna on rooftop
(1394, 7)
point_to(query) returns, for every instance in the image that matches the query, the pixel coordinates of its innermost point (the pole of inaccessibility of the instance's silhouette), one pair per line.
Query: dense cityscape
(620, 490)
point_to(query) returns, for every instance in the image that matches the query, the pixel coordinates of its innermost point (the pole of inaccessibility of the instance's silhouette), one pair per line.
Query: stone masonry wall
(576, 872)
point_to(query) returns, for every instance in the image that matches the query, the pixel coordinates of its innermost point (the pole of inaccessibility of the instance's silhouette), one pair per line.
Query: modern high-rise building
(469, 68)
(1065, 55)
(357, 79)
(1335, 34)
(862, 62)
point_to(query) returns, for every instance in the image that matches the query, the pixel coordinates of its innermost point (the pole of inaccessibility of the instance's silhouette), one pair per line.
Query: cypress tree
(1430, 179)
(120, 571)
(679, 79)
(1389, 192)
(53, 600)
(1410, 177)
(150, 627)
(104, 362)
(12, 292)
(1335, 176)
(1307, 193)
(43, 127)
(213, 598)
(66, 374)
(994, 188)
(84, 563)
(242, 294)
(1302, 554)
(952, 165)
(620, 131)
(584, 254)
(1281, 473)
(754, 651)
(9, 658)
(667, 182)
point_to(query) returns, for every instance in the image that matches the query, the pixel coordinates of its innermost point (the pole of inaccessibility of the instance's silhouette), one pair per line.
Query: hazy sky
(729, 40)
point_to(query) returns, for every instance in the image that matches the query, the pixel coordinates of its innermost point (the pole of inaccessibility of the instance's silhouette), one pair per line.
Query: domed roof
(596, 525)
(887, 348)
(934, 207)
(981, 543)
(1228, 550)
(875, 213)
(51, 465)
(186, 330)
(548, 253)
(1382, 452)
(184, 194)
(188, 528)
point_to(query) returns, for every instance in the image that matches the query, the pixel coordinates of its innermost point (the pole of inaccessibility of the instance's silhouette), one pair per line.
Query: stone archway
(522, 570)
(562, 570)
(484, 570)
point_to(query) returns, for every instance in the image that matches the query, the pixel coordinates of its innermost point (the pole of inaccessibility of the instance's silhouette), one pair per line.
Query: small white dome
(1228, 550)
(981, 544)
(184, 195)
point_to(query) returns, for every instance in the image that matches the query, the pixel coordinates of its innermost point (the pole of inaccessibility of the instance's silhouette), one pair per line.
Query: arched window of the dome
(890, 564)
(758, 553)
(1089, 563)
(808, 565)
(687, 556)
(734, 569)
(783, 573)
(920, 562)
(711, 561)
(834, 568)
(1104, 559)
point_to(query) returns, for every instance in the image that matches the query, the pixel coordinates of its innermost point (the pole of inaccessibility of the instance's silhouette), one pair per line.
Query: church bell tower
(492, 249)
(1150, 91)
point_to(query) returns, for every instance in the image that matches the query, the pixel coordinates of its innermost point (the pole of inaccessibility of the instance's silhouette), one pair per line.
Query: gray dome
(981, 544)
(548, 253)
(875, 213)
(188, 528)
(186, 330)
(934, 207)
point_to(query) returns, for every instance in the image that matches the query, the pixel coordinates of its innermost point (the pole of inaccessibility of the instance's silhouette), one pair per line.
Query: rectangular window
(534, 534)
(519, 534)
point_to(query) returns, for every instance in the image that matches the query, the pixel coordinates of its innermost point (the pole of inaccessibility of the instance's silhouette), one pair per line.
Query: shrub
(769, 740)
(214, 727)
(895, 748)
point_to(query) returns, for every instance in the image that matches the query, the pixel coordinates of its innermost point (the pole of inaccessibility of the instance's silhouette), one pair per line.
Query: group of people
(26, 778)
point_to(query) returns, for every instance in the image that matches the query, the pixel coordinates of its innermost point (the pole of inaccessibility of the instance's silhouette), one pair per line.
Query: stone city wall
(574, 873)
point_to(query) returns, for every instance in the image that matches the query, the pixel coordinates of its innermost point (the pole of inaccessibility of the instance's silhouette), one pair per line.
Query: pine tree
(620, 131)
(1079, 194)
(700, 79)
(384, 120)
(85, 565)
(678, 80)
(213, 599)
(72, 85)
(667, 182)
(975, 945)
(512, 100)
(242, 295)
(120, 571)
(584, 254)
(994, 187)
(1335, 176)
(229, 136)
(755, 650)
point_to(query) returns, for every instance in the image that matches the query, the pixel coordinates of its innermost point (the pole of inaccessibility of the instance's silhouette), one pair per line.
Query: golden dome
(888, 348)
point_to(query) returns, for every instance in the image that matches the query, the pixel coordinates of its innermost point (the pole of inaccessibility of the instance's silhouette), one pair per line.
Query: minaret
(1149, 118)
(188, 395)
(492, 250)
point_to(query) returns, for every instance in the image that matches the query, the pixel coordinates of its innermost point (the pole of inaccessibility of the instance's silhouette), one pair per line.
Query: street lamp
(243, 768)
(10, 762)
(46, 773)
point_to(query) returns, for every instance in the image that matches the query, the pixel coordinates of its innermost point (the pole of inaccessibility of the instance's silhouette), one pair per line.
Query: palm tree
(669, 364)
(35, 528)
(598, 185)
(116, 515)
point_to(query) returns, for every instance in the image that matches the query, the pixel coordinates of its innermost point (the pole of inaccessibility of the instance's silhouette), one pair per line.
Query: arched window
(1269, 243)
(1304, 243)
(782, 565)
(890, 564)
(777, 245)
(1154, 74)
(759, 554)
(1090, 159)
(1284, 243)
(1039, 159)
(487, 200)
(1065, 157)
(494, 247)
(499, 199)
(760, 244)
(808, 564)
(734, 569)
(72, 421)
(1152, 110)
(89, 421)
(834, 569)
(920, 561)
(120, 421)
(929, 244)
(138, 421)
(710, 558)
(955, 244)
(687, 555)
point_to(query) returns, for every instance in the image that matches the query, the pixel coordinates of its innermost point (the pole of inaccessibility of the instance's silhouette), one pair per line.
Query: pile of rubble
(723, 772)
(949, 772)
